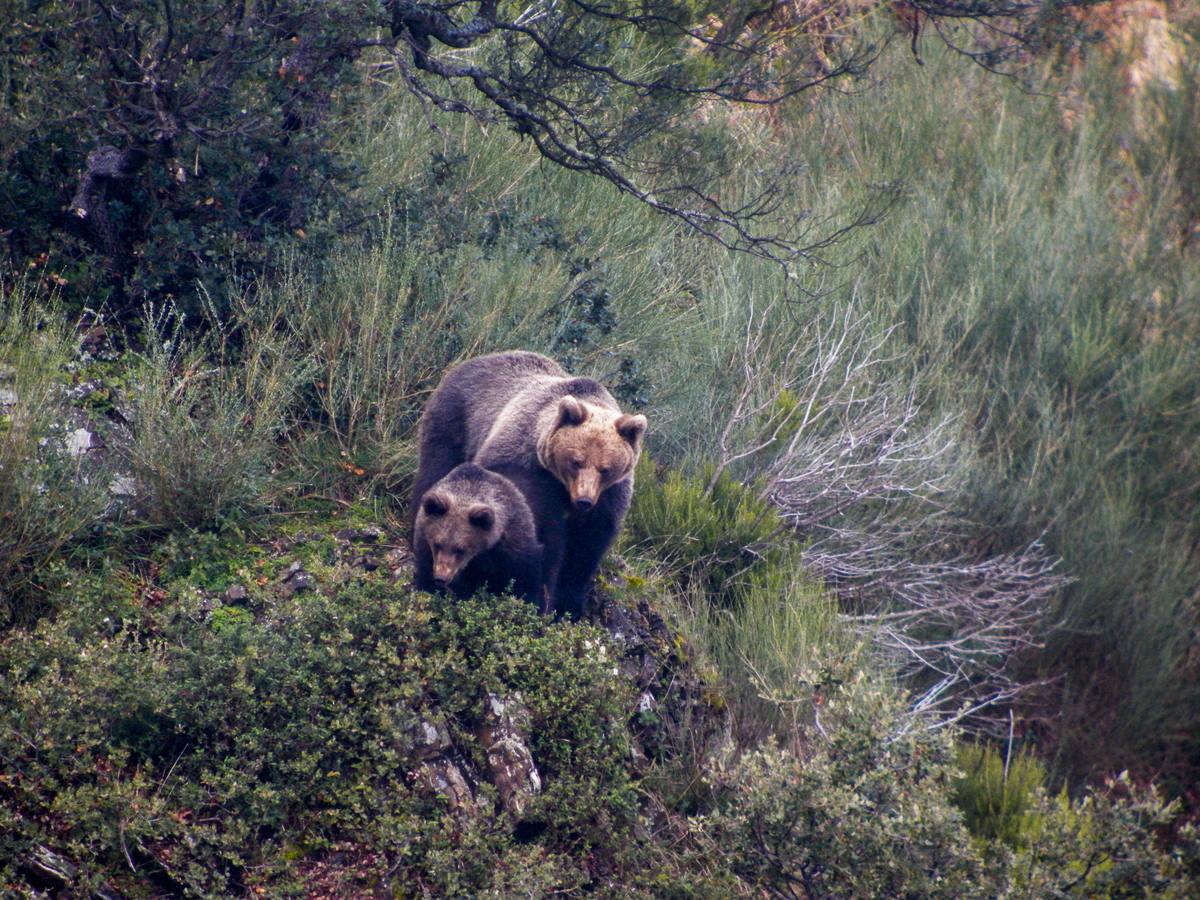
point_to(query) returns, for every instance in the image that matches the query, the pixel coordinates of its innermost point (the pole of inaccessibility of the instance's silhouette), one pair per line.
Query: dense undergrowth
(193, 722)
(991, 394)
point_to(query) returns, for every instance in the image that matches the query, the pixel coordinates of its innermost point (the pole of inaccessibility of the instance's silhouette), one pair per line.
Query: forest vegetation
(906, 602)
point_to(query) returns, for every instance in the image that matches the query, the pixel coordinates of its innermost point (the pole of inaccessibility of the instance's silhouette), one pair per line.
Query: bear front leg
(589, 535)
(554, 543)
(423, 569)
(527, 580)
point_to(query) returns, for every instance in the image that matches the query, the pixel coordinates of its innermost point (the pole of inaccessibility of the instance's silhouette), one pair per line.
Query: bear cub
(473, 529)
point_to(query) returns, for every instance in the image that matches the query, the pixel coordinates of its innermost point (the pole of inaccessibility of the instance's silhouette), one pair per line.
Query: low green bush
(708, 532)
(747, 602)
(204, 419)
(867, 808)
(166, 747)
(862, 811)
(1109, 843)
(49, 496)
(998, 796)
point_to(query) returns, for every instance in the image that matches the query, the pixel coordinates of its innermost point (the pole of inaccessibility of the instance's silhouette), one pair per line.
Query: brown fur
(473, 529)
(562, 440)
(590, 448)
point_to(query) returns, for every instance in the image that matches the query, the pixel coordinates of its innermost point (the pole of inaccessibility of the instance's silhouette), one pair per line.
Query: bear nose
(583, 504)
(439, 581)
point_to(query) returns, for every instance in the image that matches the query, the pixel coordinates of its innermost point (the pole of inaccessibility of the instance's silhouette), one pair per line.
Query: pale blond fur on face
(590, 447)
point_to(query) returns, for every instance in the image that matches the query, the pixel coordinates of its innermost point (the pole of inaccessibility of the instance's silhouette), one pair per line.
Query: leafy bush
(1107, 845)
(229, 751)
(709, 531)
(49, 495)
(203, 422)
(151, 147)
(998, 796)
(864, 812)
(866, 809)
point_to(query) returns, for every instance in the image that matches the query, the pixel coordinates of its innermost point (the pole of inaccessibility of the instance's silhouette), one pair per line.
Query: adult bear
(564, 443)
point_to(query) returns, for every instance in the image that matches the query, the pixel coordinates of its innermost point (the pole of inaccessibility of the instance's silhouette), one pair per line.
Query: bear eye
(576, 464)
(605, 471)
(459, 551)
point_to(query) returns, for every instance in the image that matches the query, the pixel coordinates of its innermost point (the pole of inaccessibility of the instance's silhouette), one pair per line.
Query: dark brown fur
(563, 442)
(473, 529)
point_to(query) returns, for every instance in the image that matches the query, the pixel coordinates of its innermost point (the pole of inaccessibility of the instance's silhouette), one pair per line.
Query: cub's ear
(632, 428)
(571, 412)
(435, 505)
(481, 517)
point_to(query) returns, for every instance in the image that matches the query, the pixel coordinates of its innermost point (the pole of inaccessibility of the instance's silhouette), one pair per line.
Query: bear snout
(444, 570)
(583, 504)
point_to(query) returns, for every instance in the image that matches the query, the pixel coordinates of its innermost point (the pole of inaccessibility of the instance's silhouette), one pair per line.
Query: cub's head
(457, 528)
(589, 447)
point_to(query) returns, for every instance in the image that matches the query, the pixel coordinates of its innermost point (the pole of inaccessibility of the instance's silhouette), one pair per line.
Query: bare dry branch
(855, 469)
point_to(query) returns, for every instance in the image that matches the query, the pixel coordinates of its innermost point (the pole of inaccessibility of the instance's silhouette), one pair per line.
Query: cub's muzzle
(444, 570)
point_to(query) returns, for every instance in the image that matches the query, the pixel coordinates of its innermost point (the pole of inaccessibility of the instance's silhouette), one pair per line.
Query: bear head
(590, 447)
(456, 531)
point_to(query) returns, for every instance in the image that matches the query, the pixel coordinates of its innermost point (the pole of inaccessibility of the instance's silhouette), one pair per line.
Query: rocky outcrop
(504, 735)
(674, 693)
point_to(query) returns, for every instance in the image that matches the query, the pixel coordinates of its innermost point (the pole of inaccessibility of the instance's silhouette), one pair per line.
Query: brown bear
(563, 442)
(473, 530)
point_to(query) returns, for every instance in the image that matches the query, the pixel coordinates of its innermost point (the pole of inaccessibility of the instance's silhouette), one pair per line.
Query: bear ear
(631, 428)
(435, 505)
(481, 517)
(571, 412)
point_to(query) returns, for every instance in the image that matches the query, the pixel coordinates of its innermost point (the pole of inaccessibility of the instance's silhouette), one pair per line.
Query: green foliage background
(1034, 285)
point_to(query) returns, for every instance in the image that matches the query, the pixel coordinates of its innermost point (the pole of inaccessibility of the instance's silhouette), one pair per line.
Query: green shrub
(711, 533)
(862, 812)
(216, 124)
(866, 808)
(204, 420)
(49, 497)
(747, 601)
(1107, 844)
(228, 753)
(998, 797)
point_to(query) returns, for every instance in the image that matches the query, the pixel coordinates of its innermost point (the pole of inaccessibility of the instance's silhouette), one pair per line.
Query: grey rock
(235, 593)
(300, 582)
(81, 441)
(504, 736)
(444, 778)
(82, 391)
(296, 580)
(123, 486)
(51, 865)
(429, 738)
(368, 535)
